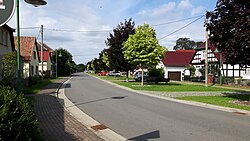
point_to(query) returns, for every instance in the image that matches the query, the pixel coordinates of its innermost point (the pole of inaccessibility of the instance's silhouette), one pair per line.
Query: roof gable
(27, 45)
(46, 55)
(178, 58)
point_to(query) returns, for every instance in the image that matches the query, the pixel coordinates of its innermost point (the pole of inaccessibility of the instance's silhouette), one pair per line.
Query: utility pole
(206, 56)
(42, 50)
(19, 83)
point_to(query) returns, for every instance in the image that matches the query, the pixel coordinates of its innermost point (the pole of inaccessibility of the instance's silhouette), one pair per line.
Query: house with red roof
(227, 70)
(175, 64)
(30, 58)
(47, 59)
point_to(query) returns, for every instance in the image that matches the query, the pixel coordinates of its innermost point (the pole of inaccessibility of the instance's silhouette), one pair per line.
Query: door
(176, 76)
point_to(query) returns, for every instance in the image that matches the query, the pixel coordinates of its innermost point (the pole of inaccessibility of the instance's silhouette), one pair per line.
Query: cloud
(185, 4)
(164, 8)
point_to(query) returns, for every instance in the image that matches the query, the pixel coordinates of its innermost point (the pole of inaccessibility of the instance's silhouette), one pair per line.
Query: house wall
(26, 70)
(175, 69)
(34, 63)
(5, 44)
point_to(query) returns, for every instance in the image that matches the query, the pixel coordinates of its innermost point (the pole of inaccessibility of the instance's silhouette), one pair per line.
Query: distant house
(30, 57)
(175, 64)
(6, 41)
(227, 70)
(47, 59)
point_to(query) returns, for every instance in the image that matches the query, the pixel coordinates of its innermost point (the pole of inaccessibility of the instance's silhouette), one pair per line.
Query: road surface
(139, 117)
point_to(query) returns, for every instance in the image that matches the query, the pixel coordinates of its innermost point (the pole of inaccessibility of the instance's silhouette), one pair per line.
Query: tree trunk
(142, 77)
(127, 77)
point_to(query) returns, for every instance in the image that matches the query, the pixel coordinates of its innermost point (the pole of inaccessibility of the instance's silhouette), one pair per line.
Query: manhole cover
(99, 127)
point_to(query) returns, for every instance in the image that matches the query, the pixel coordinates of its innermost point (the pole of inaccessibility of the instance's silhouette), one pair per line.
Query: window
(4, 37)
(32, 70)
(34, 54)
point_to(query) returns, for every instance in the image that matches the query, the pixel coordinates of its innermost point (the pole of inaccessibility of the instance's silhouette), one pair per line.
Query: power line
(176, 21)
(182, 27)
(63, 30)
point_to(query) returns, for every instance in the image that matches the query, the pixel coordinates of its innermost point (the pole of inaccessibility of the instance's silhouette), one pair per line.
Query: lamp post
(220, 64)
(35, 3)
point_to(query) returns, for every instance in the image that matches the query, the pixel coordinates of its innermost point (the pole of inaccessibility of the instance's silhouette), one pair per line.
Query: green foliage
(114, 57)
(184, 44)
(143, 48)
(65, 64)
(156, 72)
(8, 69)
(191, 69)
(228, 27)
(80, 67)
(17, 120)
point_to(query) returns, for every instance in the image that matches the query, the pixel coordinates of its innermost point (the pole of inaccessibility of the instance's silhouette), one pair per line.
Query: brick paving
(55, 122)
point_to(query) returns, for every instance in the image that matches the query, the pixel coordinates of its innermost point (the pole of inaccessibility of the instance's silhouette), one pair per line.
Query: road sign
(7, 9)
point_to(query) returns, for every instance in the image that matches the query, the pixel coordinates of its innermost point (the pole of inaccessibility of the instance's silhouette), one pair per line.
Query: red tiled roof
(46, 55)
(178, 58)
(27, 45)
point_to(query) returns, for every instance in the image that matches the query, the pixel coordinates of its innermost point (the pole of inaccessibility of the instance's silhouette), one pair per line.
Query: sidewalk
(55, 122)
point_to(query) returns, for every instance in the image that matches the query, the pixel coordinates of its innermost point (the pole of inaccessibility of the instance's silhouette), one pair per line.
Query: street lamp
(57, 61)
(35, 3)
(220, 64)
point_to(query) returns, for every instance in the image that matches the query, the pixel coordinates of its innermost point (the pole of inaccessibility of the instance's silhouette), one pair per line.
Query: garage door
(176, 76)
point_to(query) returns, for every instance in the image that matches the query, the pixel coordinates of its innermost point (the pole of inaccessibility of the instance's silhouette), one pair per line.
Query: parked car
(138, 75)
(102, 73)
(147, 78)
(114, 73)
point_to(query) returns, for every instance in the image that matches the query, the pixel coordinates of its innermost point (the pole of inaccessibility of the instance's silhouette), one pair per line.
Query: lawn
(220, 100)
(171, 87)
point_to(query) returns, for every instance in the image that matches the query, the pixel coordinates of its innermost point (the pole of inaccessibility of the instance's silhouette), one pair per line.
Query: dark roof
(45, 47)
(178, 58)
(213, 48)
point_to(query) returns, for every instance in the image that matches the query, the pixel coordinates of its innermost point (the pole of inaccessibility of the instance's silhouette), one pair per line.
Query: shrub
(17, 120)
(154, 72)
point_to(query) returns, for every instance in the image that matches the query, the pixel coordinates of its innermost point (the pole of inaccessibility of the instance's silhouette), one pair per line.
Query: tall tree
(229, 30)
(65, 64)
(185, 44)
(114, 42)
(143, 48)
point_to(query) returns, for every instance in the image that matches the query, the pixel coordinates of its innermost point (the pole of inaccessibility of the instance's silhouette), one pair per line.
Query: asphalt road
(139, 117)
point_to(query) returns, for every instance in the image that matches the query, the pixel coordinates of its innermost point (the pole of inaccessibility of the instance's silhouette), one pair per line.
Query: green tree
(229, 30)
(8, 69)
(64, 62)
(115, 51)
(80, 67)
(186, 44)
(143, 48)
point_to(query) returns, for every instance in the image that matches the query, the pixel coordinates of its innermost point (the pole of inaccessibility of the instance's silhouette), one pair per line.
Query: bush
(17, 120)
(154, 72)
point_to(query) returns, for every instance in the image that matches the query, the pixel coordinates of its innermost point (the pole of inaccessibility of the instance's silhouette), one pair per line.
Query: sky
(82, 26)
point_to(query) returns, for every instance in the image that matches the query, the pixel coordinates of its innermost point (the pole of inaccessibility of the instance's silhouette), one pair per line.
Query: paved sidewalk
(55, 122)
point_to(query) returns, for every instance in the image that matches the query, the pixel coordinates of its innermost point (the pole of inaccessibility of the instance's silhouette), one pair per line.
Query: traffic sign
(7, 9)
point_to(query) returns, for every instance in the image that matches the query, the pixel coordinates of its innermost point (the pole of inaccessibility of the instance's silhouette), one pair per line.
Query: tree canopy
(113, 56)
(143, 48)
(186, 44)
(229, 30)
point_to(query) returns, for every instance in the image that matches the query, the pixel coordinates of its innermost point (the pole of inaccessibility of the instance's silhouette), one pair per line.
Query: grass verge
(220, 100)
(171, 87)
(37, 87)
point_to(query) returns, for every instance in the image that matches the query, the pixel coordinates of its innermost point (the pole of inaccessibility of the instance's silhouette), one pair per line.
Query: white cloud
(164, 8)
(185, 4)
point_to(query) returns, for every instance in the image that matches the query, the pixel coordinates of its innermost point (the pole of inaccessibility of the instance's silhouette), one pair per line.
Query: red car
(102, 73)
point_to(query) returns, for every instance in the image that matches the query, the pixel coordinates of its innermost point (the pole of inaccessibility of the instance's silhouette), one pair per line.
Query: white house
(30, 58)
(175, 64)
(227, 70)
(47, 59)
